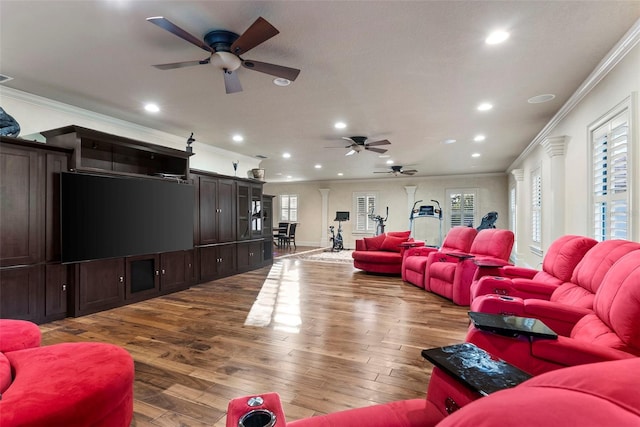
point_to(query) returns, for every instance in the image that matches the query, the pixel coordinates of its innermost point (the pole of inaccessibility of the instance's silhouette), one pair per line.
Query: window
(536, 206)
(610, 176)
(363, 205)
(462, 207)
(289, 208)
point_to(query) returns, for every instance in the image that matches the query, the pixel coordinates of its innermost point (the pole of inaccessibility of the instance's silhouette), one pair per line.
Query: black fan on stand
(225, 48)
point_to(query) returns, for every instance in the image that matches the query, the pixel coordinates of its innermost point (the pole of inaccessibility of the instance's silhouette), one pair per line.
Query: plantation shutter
(536, 206)
(462, 207)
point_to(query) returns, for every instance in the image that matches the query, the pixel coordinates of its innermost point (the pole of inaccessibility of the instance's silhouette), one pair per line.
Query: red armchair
(558, 265)
(382, 253)
(558, 306)
(611, 331)
(70, 384)
(593, 395)
(414, 262)
(451, 274)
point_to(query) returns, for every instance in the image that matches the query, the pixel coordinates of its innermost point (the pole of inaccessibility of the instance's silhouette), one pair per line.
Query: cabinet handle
(163, 271)
(64, 287)
(121, 279)
(157, 272)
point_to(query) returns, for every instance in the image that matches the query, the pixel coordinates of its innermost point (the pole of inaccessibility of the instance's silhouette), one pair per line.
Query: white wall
(619, 84)
(492, 196)
(36, 114)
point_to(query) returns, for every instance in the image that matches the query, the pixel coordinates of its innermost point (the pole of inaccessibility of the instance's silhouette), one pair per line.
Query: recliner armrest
(531, 289)
(559, 317)
(513, 271)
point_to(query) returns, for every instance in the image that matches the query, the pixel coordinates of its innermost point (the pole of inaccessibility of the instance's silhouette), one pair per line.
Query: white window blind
(610, 169)
(289, 207)
(462, 207)
(364, 203)
(536, 206)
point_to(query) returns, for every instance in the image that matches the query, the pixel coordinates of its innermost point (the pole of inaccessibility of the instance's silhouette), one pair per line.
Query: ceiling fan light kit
(225, 48)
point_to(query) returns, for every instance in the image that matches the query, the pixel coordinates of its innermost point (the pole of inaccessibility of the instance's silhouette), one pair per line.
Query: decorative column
(324, 236)
(411, 198)
(555, 149)
(520, 231)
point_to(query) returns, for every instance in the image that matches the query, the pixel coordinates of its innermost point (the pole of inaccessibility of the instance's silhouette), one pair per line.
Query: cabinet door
(227, 264)
(256, 211)
(56, 163)
(142, 279)
(21, 207)
(55, 291)
(208, 263)
(101, 285)
(244, 210)
(267, 216)
(173, 274)
(208, 210)
(21, 290)
(190, 267)
(226, 210)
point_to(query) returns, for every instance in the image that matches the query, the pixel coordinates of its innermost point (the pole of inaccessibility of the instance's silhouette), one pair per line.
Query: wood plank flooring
(326, 337)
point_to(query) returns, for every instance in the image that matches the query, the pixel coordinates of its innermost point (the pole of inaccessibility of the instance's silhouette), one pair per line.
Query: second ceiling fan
(359, 143)
(225, 47)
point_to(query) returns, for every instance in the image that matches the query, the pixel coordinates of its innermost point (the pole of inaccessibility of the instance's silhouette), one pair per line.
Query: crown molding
(608, 63)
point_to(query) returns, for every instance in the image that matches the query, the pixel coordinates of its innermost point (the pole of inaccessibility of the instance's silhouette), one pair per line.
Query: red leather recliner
(591, 395)
(451, 276)
(610, 332)
(414, 262)
(558, 306)
(558, 265)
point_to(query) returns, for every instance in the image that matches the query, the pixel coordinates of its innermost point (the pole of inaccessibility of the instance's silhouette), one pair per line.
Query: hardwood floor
(326, 337)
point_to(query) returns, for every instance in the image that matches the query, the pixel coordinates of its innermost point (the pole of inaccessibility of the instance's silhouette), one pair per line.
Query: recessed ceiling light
(497, 37)
(238, 138)
(286, 155)
(289, 177)
(485, 106)
(449, 141)
(340, 174)
(318, 166)
(152, 108)
(479, 138)
(340, 125)
(389, 162)
(541, 98)
(281, 82)
(475, 155)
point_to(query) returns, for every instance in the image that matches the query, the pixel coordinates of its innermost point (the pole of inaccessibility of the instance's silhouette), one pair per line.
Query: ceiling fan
(225, 48)
(398, 170)
(359, 143)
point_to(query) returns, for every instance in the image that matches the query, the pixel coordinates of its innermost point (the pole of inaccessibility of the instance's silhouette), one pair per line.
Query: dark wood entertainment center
(232, 226)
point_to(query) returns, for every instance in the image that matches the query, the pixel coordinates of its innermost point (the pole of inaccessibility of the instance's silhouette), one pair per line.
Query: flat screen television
(342, 216)
(106, 217)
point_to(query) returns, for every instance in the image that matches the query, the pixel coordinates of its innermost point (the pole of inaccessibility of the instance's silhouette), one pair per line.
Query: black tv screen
(106, 217)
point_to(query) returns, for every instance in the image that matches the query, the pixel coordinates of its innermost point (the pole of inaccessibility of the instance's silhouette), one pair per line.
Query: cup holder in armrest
(258, 418)
(506, 298)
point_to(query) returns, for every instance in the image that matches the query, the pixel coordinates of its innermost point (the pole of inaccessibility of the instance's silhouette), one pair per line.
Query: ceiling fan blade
(382, 142)
(165, 24)
(377, 150)
(409, 172)
(232, 82)
(383, 172)
(175, 65)
(352, 152)
(272, 69)
(259, 32)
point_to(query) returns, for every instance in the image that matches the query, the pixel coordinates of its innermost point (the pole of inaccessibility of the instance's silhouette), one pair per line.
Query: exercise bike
(379, 221)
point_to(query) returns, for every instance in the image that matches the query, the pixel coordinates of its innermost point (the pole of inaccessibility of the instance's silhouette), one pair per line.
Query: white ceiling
(410, 72)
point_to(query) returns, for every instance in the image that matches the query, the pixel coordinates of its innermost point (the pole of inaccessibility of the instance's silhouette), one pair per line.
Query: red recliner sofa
(558, 306)
(451, 274)
(72, 384)
(590, 395)
(382, 253)
(611, 331)
(558, 265)
(414, 262)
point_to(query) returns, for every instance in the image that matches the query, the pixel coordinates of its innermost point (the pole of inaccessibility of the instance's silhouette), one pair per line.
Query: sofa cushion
(374, 243)
(5, 373)
(392, 244)
(404, 234)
